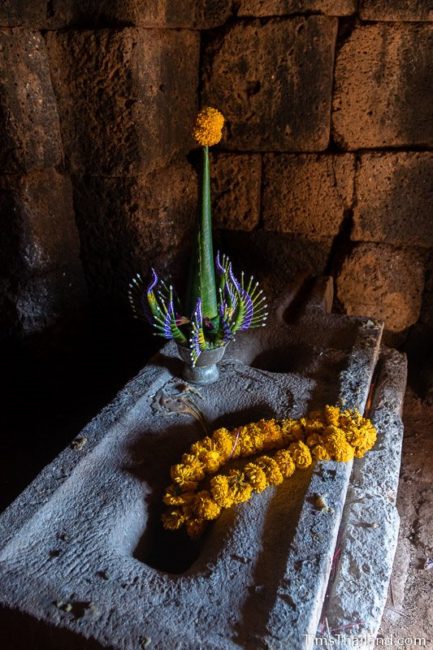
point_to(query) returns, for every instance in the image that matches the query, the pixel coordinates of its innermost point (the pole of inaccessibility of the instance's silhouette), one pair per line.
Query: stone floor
(409, 610)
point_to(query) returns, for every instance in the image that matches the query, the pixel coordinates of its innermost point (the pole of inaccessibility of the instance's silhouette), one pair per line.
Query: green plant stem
(202, 274)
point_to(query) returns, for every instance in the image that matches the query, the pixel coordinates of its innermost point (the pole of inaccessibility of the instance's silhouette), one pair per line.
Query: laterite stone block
(273, 82)
(40, 207)
(384, 87)
(29, 124)
(129, 224)
(262, 8)
(127, 98)
(383, 282)
(394, 199)
(236, 191)
(22, 13)
(307, 194)
(395, 10)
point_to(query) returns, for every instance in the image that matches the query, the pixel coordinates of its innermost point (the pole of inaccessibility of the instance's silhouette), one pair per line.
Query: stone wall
(326, 163)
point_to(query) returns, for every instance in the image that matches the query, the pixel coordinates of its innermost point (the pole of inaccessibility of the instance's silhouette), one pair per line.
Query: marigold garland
(330, 434)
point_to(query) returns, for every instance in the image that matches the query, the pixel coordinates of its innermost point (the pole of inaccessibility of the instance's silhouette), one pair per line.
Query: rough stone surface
(195, 14)
(384, 87)
(382, 282)
(29, 124)
(370, 524)
(38, 210)
(22, 13)
(129, 224)
(276, 258)
(42, 14)
(395, 10)
(394, 199)
(273, 82)
(236, 182)
(264, 8)
(307, 194)
(41, 300)
(250, 582)
(127, 98)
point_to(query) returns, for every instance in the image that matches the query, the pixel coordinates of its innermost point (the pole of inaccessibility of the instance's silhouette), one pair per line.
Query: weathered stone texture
(41, 300)
(40, 207)
(127, 98)
(132, 223)
(236, 184)
(23, 13)
(263, 8)
(276, 258)
(395, 10)
(196, 14)
(382, 282)
(42, 14)
(395, 199)
(307, 194)
(29, 125)
(274, 83)
(384, 87)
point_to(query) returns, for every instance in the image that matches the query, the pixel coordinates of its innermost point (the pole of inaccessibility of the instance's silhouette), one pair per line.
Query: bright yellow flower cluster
(330, 434)
(208, 127)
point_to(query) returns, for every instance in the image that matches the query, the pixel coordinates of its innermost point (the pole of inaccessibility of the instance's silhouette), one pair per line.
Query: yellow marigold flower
(272, 434)
(189, 459)
(287, 434)
(208, 126)
(173, 519)
(205, 507)
(255, 477)
(285, 462)
(239, 489)
(174, 497)
(223, 442)
(211, 461)
(186, 476)
(203, 445)
(300, 454)
(332, 415)
(271, 469)
(319, 452)
(338, 447)
(313, 439)
(246, 444)
(195, 527)
(219, 487)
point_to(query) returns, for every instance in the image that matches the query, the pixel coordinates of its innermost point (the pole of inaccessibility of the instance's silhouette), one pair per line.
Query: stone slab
(369, 530)
(394, 194)
(29, 123)
(396, 10)
(307, 194)
(236, 191)
(273, 82)
(383, 87)
(81, 548)
(127, 97)
(263, 8)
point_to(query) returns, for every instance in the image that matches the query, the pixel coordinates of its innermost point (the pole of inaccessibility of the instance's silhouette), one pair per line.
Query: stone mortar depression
(85, 563)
